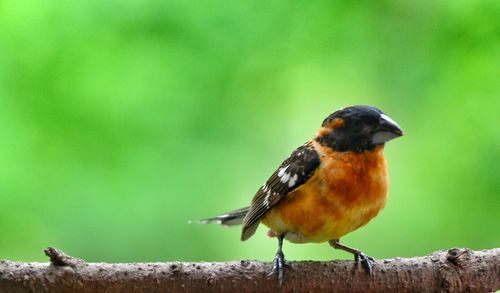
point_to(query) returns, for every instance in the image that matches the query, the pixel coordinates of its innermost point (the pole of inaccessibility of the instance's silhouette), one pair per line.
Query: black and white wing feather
(292, 173)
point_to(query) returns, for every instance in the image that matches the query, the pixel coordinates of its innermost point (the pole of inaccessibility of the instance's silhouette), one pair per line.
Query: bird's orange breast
(346, 192)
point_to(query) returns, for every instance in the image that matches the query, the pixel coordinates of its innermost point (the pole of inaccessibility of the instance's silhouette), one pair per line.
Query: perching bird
(328, 187)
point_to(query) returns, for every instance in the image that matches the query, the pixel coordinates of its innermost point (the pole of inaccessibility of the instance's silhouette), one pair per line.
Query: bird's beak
(387, 129)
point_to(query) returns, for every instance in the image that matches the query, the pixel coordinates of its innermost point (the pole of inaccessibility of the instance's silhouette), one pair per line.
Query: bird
(327, 188)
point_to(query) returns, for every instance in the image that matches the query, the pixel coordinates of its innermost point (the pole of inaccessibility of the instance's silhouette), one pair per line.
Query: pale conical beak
(387, 129)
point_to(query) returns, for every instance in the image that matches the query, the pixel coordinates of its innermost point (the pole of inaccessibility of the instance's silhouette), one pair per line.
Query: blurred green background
(120, 121)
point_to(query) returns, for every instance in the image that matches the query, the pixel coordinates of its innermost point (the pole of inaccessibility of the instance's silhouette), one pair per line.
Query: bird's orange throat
(345, 193)
(356, 179)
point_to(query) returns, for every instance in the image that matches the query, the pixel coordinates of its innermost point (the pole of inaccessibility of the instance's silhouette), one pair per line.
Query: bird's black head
(357, 128)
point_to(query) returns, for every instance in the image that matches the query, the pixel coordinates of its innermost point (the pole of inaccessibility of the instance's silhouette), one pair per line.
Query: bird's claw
(365, 260)
(279, 267)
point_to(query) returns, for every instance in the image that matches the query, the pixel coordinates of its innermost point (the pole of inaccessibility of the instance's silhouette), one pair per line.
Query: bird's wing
(292, 173)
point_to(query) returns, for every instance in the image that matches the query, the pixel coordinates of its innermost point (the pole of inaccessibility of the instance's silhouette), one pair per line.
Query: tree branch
(456, 270)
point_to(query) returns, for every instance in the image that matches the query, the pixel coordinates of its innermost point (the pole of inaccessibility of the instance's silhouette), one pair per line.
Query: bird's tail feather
(231, 218)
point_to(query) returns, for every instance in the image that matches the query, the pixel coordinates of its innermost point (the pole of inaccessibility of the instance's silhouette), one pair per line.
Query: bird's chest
(346, 192)
(354, 181)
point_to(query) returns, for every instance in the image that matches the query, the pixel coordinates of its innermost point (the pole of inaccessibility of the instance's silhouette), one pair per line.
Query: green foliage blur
(120, 121)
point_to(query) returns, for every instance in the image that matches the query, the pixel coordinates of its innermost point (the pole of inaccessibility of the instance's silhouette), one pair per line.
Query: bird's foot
(364, 259)
(279, 266)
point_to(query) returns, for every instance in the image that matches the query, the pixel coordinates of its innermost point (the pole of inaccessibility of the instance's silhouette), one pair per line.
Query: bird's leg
(279, 261)
(358, 254)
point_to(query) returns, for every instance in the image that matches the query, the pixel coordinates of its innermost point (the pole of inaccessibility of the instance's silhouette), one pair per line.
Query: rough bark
(455, 270)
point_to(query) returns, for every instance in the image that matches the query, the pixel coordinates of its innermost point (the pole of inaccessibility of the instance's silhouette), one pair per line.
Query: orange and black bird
(326, 188)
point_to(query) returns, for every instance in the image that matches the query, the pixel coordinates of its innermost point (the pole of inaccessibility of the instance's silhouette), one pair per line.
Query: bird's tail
(231, 218)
